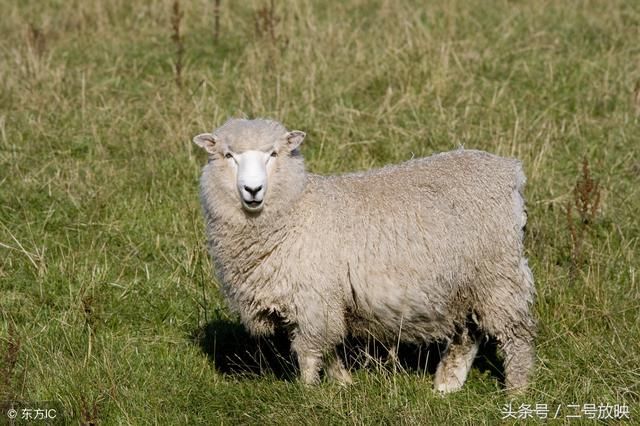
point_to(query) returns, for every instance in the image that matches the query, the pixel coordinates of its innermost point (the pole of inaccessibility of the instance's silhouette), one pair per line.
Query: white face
(252, 169)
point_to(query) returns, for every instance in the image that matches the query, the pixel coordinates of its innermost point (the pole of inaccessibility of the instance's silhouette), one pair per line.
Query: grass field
(107, 299)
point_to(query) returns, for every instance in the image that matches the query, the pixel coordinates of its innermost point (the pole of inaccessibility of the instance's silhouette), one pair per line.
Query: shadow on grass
(235, 352)
(372, 354)
(488, 360)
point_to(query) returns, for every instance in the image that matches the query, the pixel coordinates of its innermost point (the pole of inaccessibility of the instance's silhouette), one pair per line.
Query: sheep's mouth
(252, 205)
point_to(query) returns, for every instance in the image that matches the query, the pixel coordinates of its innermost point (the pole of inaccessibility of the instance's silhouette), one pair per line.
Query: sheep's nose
(252, 191)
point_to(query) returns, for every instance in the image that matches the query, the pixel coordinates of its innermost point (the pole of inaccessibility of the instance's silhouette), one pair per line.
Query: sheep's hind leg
(454, 366)
(519, 358)
(512, 323)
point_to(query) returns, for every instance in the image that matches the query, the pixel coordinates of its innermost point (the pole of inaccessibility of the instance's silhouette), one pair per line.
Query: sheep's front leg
(314, 342)
(336, 370)
(309, 361)
(310, 365)
(456, 363)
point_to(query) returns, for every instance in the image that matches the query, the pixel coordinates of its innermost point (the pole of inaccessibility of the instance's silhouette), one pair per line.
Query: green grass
(105, 285)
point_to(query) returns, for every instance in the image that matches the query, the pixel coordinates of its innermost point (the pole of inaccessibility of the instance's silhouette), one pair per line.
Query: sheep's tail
(521, 224)
(520, 208)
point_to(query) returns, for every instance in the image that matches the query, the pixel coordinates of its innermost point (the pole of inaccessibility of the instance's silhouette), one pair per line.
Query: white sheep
(427, 250)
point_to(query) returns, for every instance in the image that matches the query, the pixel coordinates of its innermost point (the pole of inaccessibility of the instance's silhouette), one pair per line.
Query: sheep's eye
(228, 155)
(274, 154)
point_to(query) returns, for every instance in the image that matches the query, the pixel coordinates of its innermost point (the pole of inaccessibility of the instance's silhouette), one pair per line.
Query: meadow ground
(106, 294)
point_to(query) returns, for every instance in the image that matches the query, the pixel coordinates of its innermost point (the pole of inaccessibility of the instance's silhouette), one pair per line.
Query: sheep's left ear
(206, 141)
(294, 138)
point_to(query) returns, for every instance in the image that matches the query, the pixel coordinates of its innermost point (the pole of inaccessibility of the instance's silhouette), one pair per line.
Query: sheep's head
(247, 153)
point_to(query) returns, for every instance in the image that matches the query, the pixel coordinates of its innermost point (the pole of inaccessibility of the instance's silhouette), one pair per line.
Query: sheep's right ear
(206, 141)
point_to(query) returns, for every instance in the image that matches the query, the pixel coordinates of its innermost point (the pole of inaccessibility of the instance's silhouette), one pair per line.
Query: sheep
(423, 251)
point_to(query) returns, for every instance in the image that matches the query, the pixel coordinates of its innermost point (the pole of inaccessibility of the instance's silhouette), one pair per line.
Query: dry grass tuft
(176, 37)
(8, 370)
(586, 200)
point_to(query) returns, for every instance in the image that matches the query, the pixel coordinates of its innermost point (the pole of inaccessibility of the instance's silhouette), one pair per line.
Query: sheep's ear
(294, 139)
(206, 141)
